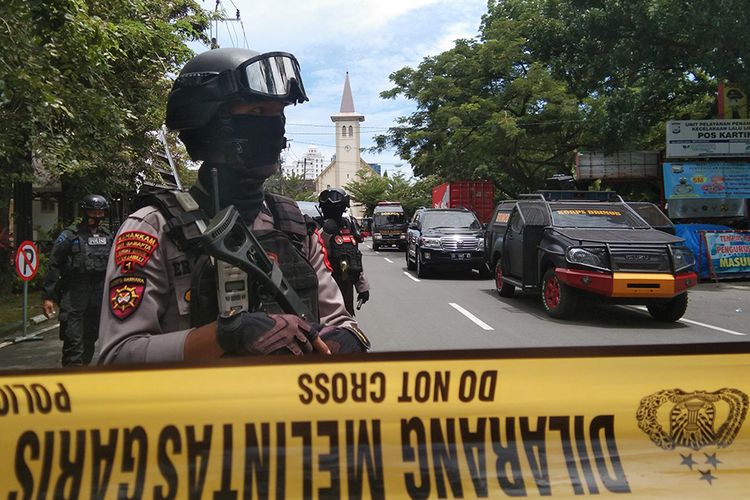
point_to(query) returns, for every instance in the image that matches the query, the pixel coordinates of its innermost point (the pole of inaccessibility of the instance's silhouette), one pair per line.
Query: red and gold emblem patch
(134, 247)
(125, 295)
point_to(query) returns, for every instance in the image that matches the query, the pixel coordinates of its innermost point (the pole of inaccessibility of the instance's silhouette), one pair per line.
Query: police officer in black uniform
(167, 301)
(341, 237)
(74, 280)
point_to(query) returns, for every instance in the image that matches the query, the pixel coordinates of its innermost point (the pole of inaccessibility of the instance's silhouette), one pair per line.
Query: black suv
(444, 236)
(584, 245)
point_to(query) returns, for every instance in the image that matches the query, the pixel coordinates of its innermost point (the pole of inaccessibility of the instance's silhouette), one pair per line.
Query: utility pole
(214, 28)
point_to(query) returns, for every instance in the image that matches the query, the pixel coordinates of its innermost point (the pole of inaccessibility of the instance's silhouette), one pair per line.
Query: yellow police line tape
(561, 423)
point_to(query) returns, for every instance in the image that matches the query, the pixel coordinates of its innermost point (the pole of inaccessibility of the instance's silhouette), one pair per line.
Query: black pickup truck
(573, 247)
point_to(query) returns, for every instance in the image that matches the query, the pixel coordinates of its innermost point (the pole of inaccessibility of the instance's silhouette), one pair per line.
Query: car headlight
(376, 236)
(596, 257)
(683, 258)
(429, 242)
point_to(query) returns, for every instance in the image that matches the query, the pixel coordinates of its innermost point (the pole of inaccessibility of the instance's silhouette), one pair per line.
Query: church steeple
(347, 122)
(347, 102)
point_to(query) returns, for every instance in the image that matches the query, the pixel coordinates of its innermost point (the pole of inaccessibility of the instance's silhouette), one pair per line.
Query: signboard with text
(728, 252)
(706, 180)
(708, 138)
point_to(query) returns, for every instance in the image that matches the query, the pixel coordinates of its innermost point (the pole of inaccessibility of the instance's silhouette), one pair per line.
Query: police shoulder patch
(125, 295)
(134, 248)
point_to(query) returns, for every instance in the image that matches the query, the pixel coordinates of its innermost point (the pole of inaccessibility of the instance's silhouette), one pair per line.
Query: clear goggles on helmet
(273, 75)
(331, 196)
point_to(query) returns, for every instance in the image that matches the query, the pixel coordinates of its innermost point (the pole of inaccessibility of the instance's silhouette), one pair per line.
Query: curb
(10, 328)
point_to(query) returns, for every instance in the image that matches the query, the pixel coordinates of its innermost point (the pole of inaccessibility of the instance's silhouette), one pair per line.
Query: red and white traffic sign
(27, 260)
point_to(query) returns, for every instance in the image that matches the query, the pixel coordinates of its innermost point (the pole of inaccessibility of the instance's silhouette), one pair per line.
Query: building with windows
(309, 167)
(347, 161)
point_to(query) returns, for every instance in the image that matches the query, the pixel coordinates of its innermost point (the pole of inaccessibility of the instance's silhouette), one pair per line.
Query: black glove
(258, 333)
(362, 297)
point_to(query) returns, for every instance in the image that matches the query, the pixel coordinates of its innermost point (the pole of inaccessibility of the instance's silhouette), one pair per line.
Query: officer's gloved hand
(247, 333)
(362, 297)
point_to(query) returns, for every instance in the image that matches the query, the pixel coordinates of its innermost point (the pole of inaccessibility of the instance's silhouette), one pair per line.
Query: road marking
(479, 322)
(697, 323)
(388, 260)
(411, 277)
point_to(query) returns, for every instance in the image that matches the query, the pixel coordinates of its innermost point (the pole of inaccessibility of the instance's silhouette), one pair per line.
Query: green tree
(367, 189)
(546, 77)
(293, 186)
(486, 109)
(635, 64)
(82, 83)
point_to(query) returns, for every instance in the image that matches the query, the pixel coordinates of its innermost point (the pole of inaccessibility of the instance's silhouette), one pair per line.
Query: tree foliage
(547, 77)
(368, 189)
(82, 82)
(293, 186)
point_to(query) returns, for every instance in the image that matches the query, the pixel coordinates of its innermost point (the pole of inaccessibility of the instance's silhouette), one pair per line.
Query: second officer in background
(74, 280)
(341, 237)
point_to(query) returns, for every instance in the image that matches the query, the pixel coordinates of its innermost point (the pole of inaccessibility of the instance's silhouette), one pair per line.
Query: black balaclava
(245, 150)
(332, 211)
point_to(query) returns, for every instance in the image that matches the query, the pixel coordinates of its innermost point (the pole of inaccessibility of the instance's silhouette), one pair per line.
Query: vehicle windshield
(651, 214)
(458, 220)
(388, 218)
(595, 216)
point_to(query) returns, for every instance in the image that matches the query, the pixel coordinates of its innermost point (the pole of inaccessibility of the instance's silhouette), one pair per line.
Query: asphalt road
(458, 310)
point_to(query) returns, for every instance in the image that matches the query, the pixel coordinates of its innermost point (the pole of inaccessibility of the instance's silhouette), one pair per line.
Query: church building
(347, 161)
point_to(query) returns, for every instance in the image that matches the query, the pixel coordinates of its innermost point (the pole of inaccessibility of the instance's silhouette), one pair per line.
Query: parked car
(309, 208)
(570, 249)
(444, 237)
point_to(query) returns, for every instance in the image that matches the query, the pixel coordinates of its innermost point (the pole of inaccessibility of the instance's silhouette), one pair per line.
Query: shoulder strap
(288, 218)
(185, 220)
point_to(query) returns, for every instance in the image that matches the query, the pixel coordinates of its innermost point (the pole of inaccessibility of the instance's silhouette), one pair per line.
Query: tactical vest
(283, 244)
(344, 255)
(89, 254)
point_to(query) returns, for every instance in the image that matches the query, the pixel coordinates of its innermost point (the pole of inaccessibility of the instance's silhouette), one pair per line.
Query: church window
(343, 131)
(351, 131)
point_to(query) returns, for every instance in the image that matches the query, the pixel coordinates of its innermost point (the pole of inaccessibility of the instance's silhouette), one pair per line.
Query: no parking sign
(27, 260)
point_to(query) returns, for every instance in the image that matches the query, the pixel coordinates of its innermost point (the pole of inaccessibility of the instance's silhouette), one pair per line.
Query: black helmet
(221, 76)
(94, 202)
(333, 202)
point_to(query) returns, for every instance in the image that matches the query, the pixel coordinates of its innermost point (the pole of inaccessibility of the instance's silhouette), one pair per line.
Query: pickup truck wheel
(503, 289)
(668, 310)
(375, 247)
(559, 299)
(409, 264)
(421, 268)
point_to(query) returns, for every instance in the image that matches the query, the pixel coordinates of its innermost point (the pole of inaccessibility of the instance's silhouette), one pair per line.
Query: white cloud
(368, 38)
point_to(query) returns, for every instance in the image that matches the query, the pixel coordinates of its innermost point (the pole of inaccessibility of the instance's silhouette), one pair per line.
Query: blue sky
(368, 38)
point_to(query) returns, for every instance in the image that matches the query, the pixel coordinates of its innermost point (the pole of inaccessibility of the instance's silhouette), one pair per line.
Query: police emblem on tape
(699, 420)
(134, 248)
(125, 295)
